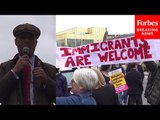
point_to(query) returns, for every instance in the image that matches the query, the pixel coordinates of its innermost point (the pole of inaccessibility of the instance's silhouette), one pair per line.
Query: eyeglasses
(74, 83)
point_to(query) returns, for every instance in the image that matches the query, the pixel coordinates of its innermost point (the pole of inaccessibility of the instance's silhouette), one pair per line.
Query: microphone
(25, 51)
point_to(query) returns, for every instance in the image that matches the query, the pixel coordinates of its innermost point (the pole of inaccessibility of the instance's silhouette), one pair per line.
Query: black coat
(134, 82)
(152, 91)
(12, 90)
(61, 85)
(139, 67)
(106, 95)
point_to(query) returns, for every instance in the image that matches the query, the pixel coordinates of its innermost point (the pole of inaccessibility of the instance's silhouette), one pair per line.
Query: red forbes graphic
(147, 26)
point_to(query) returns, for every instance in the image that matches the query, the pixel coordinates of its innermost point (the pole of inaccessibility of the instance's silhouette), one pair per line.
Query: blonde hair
(101, 79)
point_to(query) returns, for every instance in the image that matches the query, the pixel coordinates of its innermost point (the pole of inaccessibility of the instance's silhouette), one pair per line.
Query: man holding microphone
(25, 79)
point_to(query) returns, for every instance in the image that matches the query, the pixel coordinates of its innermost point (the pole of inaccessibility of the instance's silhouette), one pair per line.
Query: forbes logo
(147, 23)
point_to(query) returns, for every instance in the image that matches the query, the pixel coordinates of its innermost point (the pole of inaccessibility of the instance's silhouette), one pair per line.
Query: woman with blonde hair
(104, 94)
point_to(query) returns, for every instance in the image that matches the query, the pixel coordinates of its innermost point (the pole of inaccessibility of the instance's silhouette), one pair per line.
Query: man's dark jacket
(11, 90)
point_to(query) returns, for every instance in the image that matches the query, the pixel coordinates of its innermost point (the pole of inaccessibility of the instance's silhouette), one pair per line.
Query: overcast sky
(46, 42)
(116, 24)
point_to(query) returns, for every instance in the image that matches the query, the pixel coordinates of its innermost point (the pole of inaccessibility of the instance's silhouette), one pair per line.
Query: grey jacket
(11, 88)
(152, 92)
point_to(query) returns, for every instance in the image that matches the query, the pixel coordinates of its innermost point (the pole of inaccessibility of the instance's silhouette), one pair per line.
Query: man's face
(26, 40)
(75, 87)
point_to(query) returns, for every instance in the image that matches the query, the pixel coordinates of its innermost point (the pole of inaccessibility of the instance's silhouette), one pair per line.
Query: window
(61, 43)
(71, 42)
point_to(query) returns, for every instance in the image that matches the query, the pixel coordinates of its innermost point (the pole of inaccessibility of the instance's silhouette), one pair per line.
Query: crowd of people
(27, 80)
(92, 86)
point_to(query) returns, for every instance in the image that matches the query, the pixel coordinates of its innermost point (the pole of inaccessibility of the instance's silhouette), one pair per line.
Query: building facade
(80, 36)
(114, 36)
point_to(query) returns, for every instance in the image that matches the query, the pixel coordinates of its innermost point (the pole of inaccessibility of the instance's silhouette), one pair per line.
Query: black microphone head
(25, 50)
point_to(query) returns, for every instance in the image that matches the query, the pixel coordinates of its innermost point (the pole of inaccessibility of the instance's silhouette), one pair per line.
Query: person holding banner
(83, 82)
(104, 94)
(135, 85)
(122, 96)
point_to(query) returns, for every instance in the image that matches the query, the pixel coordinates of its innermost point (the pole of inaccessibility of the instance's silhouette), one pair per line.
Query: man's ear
(36, 42)
(16, 42)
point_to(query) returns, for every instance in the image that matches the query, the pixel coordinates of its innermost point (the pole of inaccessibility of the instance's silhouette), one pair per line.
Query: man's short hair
(133, 65)
(105, 67)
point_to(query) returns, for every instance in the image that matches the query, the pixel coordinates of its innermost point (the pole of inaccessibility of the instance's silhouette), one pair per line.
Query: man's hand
(40, 74)
(22, 62)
